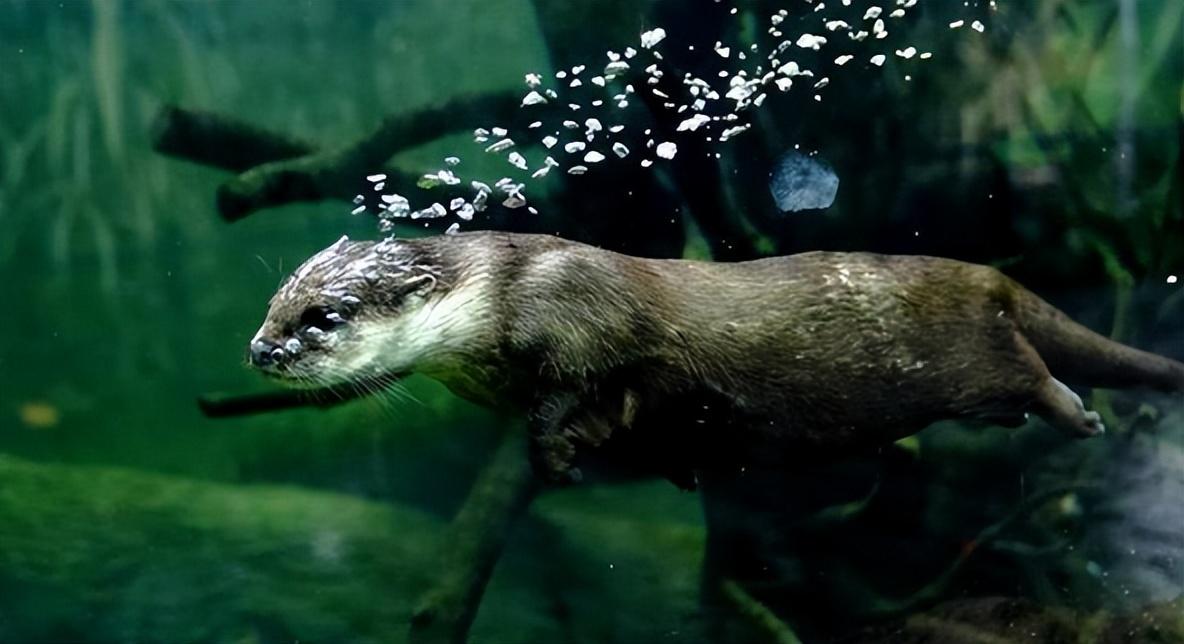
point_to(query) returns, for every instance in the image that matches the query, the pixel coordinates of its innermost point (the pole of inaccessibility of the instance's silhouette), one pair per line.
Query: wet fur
(756, 361)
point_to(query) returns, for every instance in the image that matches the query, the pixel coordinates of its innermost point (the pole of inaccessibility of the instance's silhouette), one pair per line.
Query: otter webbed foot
(1092, 424)
(551, 456)
(559, 425)
(1063, 409)
(552, 446)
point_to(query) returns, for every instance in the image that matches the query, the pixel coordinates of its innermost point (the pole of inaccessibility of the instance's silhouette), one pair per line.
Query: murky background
(1047, 144)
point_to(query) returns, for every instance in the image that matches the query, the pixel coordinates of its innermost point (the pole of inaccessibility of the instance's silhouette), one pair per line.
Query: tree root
(933, 591)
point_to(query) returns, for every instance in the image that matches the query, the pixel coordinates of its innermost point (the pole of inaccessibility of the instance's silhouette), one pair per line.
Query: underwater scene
(516, 321)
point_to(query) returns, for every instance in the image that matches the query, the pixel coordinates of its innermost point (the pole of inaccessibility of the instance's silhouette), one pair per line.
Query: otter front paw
(563, 423)
(551, 456)
(552, 448)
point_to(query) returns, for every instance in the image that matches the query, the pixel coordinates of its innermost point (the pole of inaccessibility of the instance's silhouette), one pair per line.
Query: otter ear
(424, 282)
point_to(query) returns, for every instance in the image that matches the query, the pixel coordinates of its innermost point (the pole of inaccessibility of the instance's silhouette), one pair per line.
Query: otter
(703, 363)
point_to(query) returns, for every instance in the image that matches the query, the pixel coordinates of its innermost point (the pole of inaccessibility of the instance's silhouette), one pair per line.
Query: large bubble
(800, 182)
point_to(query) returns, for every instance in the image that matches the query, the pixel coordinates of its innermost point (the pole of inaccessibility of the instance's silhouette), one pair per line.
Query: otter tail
(1073, 353)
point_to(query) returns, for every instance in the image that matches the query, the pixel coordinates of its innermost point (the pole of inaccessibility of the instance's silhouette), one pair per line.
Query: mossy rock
(92, 553)
(104, 554)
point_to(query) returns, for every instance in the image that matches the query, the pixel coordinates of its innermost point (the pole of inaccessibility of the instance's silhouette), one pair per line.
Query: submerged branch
(220, 141)
(501, 494)
(276, 169)
(758, 614)
(314, 177)
(938, 587)
(218, 405)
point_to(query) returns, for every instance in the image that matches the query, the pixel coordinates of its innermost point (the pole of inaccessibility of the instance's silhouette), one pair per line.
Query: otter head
(347, 315)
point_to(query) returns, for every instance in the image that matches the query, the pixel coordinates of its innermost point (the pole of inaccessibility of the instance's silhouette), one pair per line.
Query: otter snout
(264, 354)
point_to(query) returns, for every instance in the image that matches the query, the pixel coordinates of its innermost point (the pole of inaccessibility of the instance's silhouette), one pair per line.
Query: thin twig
(931, 592)
(758, 614)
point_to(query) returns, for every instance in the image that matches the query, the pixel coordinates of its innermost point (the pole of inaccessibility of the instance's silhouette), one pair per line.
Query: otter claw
(1092, 425)
(562, 474)
(560, 477)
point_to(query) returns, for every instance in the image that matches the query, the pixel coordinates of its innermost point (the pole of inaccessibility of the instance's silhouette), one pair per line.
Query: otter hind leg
(1027, 386)
(1063, 409)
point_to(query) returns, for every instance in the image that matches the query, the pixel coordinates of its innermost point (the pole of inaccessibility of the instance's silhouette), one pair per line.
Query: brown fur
(817, 351)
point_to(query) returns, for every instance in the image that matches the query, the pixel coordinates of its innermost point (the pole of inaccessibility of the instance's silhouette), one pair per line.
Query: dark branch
(934, 590)
(233, 405)
(423, 126)
(277, 170)
(757, 614)
(502, 494)
(219, 141)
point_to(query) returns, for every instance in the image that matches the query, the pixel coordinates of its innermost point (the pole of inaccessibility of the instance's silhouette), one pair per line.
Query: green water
(1049, 146)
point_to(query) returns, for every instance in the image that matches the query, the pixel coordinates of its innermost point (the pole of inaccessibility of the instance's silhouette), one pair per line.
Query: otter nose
(265, 354)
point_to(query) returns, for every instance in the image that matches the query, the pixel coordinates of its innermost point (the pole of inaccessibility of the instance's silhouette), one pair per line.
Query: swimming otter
(746, 361)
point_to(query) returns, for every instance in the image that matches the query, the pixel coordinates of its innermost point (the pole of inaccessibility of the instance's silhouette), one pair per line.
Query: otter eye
(320, 317)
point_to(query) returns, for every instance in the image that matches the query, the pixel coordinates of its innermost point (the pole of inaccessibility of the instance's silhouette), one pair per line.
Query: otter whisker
(400, 391)
(371, 389)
